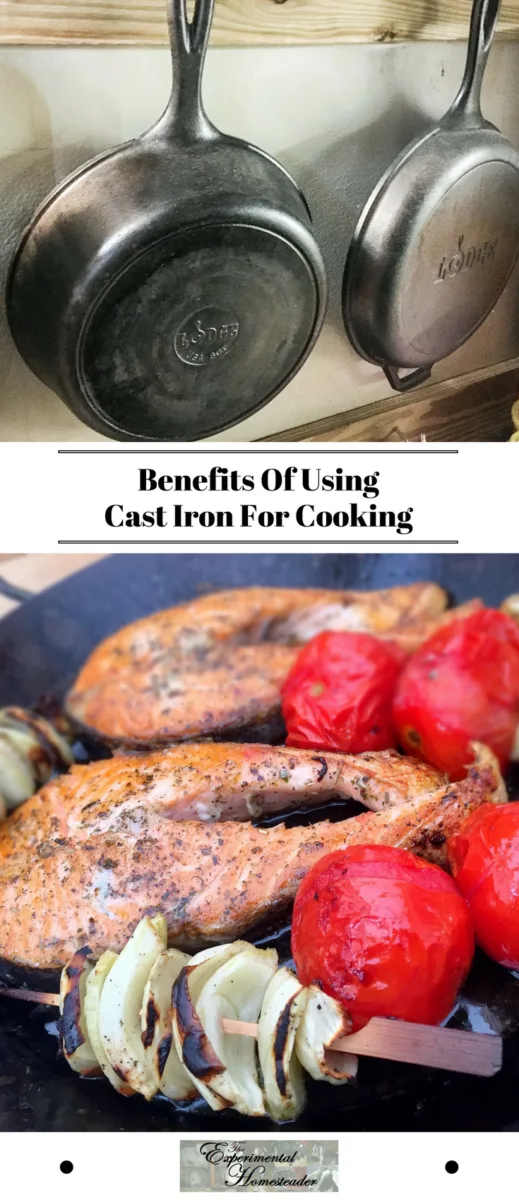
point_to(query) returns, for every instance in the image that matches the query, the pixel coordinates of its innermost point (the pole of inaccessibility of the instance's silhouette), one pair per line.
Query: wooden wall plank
(244, 22)
(473, 408)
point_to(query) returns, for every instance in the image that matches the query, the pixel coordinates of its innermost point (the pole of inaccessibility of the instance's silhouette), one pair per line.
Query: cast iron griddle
(42, 645)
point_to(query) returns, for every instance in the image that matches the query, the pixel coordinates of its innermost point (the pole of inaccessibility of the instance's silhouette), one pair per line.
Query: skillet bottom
(421, 277)
(201, 329)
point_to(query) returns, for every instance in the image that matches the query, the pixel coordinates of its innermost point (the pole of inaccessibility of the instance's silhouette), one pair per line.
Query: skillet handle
(482, 29)
(406, 383)
(185, 116)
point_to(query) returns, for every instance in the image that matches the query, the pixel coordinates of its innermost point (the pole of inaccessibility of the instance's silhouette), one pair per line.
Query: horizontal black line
(211, 450)
(248, 542)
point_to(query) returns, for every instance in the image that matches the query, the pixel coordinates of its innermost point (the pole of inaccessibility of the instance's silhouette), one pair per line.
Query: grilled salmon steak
(214, 667)
(210, 782)
(66, 883)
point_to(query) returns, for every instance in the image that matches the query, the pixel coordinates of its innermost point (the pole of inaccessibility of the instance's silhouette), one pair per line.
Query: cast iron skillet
(171, 287)
(439, 237)
(42, 646)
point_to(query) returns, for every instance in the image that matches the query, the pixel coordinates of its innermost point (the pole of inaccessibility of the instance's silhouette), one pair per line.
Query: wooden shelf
(481, 407)
(245, 22)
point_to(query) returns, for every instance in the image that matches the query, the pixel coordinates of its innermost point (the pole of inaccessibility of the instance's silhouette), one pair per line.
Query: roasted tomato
(339, 694)
(383, 932)
(461, 686)
(484, 858)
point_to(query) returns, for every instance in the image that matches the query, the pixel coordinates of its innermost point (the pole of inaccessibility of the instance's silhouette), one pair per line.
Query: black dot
(66, 1167)
(451, 1167)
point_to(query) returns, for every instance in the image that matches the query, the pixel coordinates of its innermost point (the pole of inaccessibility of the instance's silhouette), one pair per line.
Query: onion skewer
(425, 1045)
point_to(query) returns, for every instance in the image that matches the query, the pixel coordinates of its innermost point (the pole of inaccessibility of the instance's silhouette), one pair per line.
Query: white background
(410, 1166)
(51, 501)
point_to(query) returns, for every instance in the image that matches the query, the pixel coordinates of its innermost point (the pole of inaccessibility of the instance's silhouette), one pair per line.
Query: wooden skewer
(425, 1045)
(25, 994)
(448, 1049)
(399, 1041)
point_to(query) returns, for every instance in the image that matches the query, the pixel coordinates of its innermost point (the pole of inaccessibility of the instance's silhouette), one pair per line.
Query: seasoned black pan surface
(439, 237)
(170, 287)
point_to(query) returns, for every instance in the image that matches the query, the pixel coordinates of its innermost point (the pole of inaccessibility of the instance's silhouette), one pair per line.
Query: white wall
(335, 116)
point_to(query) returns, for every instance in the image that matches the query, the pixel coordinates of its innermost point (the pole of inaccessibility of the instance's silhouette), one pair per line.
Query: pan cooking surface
(41, 647)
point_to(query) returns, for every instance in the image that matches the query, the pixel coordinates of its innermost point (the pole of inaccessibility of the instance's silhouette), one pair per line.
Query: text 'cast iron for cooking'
(439, 237)
(171, 287)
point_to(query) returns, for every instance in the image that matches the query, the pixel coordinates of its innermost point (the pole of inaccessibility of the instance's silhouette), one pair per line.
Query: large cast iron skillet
(41, 647)
(171, 287)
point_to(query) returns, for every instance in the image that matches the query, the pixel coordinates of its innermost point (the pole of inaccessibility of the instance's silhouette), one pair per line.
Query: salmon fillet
(207, 782)
(212, 880)
(214, 667)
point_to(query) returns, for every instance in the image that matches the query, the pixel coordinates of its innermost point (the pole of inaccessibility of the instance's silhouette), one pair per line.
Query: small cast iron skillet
(439, 237)
(172, 286)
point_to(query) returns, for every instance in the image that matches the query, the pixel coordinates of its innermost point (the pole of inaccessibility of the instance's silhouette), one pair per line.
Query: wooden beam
(244, 22)
(474, 408)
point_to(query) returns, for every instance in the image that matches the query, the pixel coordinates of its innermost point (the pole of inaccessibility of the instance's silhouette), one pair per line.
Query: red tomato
(339, 693)
(461, 686)
(384, 932)
(484, 857)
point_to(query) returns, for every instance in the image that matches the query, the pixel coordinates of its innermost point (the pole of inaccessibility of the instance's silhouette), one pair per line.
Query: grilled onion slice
(162, 1060)
(322, 1022)
(121, 1002)
(16, 775)
(193, 1047)
(236, 990)
(283, 1006)
(94, 988)
(152, 1020)
(31, 750)
(510, 606)
(75, 1041)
